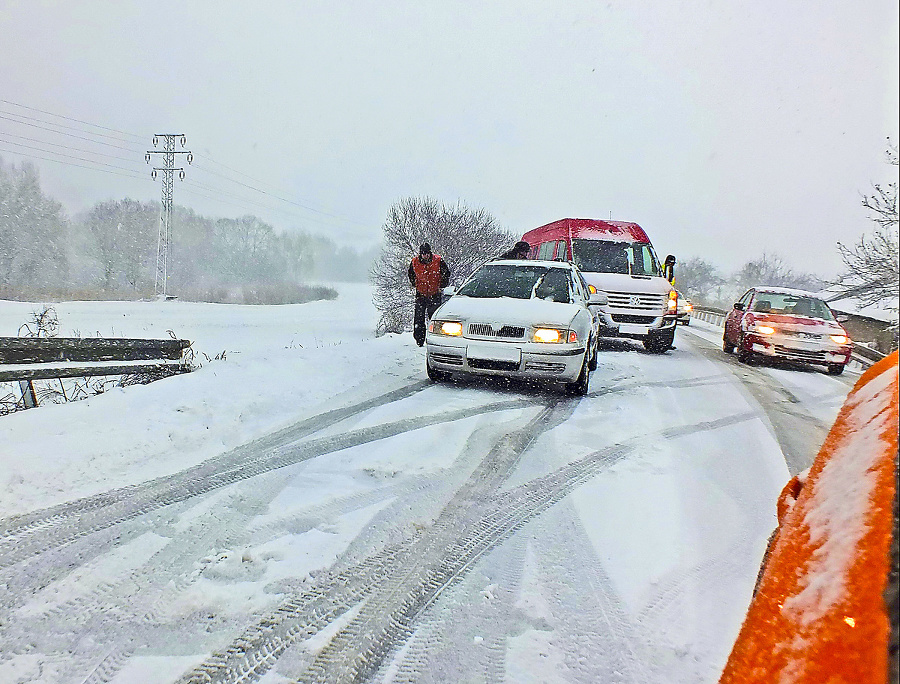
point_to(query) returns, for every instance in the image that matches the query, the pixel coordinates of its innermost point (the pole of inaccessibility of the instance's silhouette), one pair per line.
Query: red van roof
(587, 229)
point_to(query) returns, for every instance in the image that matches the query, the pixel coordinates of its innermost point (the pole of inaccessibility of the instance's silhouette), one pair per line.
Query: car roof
(786, 291)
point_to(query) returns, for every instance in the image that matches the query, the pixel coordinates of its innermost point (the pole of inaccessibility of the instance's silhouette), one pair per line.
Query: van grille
(648, 302)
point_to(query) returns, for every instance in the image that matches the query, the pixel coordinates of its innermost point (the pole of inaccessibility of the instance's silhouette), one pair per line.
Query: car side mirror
(449, 291)
(843, 318)
(598, 299)
(739, 306)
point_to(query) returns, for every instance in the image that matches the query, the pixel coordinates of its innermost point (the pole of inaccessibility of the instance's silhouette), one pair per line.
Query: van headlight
(673, 300)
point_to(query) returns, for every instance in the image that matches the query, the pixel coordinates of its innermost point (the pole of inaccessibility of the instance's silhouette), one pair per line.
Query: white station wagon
(518, 318)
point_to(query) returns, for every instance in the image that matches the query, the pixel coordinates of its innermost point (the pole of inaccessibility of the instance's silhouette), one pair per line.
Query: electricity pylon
(165, 213)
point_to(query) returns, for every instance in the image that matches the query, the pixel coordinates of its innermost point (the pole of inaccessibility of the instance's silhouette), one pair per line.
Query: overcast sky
(724, 128)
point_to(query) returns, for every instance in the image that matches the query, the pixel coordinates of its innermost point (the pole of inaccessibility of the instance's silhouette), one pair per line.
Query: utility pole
(165, 213)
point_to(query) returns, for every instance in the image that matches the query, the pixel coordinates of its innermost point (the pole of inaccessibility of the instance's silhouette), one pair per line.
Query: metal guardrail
(709, 315)
(863, 355)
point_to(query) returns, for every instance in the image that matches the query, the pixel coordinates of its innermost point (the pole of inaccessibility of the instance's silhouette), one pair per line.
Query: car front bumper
(791, 348)
(556, 362)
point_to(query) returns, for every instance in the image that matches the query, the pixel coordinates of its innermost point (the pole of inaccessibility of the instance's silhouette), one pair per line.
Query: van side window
(546, 251)
(561, 250)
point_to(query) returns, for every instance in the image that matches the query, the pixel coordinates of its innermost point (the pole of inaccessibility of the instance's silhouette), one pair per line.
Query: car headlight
(688, 307)
(453, 328)
(840, 339)
(759, 328)
(549, 335)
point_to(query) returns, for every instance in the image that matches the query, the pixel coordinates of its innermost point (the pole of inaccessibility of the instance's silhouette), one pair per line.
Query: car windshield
(610, 256)
(519, 282)
(795, 305)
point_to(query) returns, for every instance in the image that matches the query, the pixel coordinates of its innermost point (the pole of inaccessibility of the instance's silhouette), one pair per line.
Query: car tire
(592, 364)
(658, 344)
(745, 356)
(835, 369)
(727, 347)
(436, 375)
(579, 388)
(687, 321)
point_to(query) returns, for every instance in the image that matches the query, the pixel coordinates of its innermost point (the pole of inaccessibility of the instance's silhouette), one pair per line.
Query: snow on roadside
(281, 364)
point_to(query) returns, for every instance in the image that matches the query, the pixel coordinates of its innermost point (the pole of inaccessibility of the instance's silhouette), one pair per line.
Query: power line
(81, 166)
(69, 156)
(305, 218)
(71, 128)
(69, 118)
(65, 147)
(245, 202)
(264, 192)
(90, 140)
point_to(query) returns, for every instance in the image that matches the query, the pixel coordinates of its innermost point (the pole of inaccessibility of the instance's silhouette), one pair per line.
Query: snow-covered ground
(406, 531)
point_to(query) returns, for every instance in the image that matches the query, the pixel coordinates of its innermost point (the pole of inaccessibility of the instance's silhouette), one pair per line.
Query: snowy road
(312, 509)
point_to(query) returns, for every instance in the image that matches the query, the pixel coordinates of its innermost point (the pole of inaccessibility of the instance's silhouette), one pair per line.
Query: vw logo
(634, 301)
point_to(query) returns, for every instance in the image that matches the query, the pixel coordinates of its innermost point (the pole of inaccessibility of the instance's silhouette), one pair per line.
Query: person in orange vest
(429, 274)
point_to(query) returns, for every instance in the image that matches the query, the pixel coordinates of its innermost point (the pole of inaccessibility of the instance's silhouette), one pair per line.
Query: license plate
(494, 352)
(803, 345)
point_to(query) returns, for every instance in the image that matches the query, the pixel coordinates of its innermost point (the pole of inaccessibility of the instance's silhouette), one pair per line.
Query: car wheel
(657, 344)
(580, 387)
(436, 375)
(592, 364)
(745, 356)
(835, 369)
(727, 347)
(687, 321)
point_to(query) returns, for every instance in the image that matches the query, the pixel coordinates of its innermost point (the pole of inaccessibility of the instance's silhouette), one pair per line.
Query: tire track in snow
(255, 651)
(131, 502)
(49, 516)
(465, 531)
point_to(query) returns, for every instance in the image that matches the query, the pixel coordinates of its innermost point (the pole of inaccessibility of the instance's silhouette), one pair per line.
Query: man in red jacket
(429, 275)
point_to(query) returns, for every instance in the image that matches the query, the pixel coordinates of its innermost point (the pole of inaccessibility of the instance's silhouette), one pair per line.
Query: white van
(617, 258)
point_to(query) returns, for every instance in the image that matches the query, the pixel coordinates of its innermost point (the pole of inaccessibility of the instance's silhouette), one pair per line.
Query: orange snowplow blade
(819, 613)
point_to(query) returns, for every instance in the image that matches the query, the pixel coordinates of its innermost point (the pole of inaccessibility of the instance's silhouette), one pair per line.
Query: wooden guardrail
(24, 359)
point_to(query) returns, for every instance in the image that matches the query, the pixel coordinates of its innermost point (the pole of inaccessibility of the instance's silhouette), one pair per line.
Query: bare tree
(872, 271)
(700, 280)
(33, 233)
(771, 270)
(465, 238)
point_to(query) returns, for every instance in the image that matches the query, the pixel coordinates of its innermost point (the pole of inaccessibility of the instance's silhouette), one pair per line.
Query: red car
(777, 322)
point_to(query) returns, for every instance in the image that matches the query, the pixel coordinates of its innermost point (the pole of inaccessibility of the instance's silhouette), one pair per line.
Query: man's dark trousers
(426, 305)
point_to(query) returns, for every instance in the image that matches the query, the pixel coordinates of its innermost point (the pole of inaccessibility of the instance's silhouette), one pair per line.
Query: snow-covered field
(406, 531)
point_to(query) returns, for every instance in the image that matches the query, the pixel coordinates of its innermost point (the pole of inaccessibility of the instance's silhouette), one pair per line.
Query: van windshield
(608, 256)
